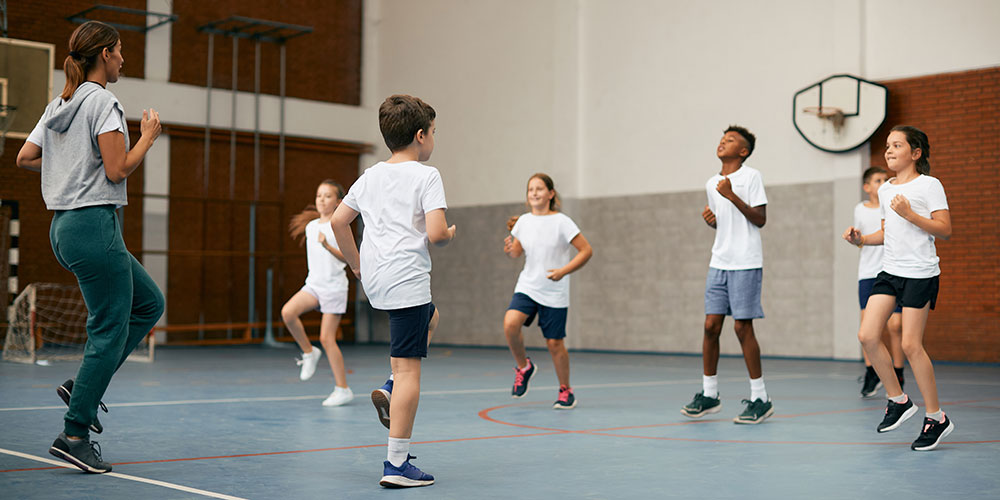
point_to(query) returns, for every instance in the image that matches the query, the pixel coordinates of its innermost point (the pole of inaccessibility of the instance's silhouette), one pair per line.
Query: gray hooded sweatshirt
(72, 168)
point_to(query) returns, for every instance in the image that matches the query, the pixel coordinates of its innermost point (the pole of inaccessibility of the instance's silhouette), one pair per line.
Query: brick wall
(45, 21)
(959, 112)
(324, 65)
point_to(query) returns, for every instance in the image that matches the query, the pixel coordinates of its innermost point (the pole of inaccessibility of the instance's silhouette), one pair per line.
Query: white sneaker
(339, 396)
(308, 363)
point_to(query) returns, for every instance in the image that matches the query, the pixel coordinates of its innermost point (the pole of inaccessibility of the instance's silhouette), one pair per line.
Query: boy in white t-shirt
(403, 205)
(736, 210)
(868, 219)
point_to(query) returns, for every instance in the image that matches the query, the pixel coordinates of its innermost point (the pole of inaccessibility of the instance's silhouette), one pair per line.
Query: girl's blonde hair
(297, 224)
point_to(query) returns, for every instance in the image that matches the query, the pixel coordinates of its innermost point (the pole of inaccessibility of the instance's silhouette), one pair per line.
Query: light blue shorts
(734, 293)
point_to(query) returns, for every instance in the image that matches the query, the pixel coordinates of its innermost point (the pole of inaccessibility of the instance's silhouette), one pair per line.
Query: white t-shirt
(393, 199)
(325, 271)
(868, 220)
(111, 123)
(546, 243)
(737, 240)
(909, 250)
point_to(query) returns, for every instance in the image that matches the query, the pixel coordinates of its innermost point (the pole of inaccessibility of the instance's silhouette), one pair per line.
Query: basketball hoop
(829, 113)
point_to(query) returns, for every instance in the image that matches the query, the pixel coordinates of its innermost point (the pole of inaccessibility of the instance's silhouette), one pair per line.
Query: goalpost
(48, 321)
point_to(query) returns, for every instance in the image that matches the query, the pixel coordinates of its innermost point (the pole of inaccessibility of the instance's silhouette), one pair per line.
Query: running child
(546, 237)
(325, 289)
(868, 219)
(736, 210)
(914, 214)
(402, 203)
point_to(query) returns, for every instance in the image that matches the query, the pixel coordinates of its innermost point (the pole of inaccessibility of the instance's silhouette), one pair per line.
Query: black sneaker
(566, 400)
(83, 453)
(896, 414)
(66, 390)
(521, 379)
(932, 434)
(701, 405)
(756, 411)
(871, 383)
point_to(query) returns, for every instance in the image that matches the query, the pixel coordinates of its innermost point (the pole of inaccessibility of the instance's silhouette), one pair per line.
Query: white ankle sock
(938, 415)
(710, 386)
(757, 390)
(899, 399)
(398, 450)
(391, 375)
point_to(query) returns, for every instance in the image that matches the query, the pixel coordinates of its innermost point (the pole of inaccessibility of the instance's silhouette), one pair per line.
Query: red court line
(549, 431)
(485, 414)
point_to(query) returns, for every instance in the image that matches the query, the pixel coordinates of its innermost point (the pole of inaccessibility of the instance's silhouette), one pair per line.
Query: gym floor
(236, 422)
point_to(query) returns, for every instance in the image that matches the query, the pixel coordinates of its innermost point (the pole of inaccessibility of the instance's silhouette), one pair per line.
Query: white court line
(154, 482)
(422, 393)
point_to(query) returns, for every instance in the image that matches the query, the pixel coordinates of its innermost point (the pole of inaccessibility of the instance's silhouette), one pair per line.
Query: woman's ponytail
(86, 44)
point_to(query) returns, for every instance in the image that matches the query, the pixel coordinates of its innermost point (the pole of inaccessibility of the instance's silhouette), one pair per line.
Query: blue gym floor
(236, 422)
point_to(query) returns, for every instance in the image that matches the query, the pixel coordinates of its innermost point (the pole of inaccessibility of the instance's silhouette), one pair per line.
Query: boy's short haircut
(747, 136)
(870, 172)
(400, 117)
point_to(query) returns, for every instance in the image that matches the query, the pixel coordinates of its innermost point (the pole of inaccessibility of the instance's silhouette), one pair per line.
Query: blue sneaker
(404, 476)
(380, 398)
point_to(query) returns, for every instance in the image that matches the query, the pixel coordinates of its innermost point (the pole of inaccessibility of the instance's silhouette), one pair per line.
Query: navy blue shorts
(909, 292)
(865, 291)
(552, 320)
(408, 331)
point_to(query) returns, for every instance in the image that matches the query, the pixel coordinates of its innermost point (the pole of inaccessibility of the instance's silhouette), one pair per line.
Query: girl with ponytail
(84, 168)
(325, 289)
(914, 213)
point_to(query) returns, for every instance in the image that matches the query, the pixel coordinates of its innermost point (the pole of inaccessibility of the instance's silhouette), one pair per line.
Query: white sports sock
(757, 390)
(710, 386)
(938, 415)
(398, 450)
(899, 399)
(391, 375)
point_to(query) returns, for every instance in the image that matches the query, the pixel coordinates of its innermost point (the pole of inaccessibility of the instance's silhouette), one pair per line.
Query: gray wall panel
(643, 290)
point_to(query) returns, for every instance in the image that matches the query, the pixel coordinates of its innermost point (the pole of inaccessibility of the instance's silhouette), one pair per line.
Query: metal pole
(232, 164)
(206, 165)
(251, 273)
(269, 340)
(281, 124)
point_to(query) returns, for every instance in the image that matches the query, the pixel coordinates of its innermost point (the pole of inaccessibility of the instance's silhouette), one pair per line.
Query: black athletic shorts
(909, 292)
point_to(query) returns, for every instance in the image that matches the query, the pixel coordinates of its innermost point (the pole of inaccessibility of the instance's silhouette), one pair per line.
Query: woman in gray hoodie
(81, 147)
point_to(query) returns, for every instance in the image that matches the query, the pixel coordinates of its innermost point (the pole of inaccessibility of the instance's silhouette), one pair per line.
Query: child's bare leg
(560, 358)
(895, 327)
(710, 344)
(328, 337)
(751, 349)
(914, 321)
(299, 304)
(512, 322)
(433, 325)
(405, 396)
(879, 309)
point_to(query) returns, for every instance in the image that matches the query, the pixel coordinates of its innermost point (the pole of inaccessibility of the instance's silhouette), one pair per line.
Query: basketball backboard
(25, 83)
(840, 112)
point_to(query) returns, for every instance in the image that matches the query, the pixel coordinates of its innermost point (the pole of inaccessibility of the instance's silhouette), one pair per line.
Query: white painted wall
(655, 82)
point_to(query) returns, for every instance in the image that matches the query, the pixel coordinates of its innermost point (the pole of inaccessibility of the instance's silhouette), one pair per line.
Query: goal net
(48, 321)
